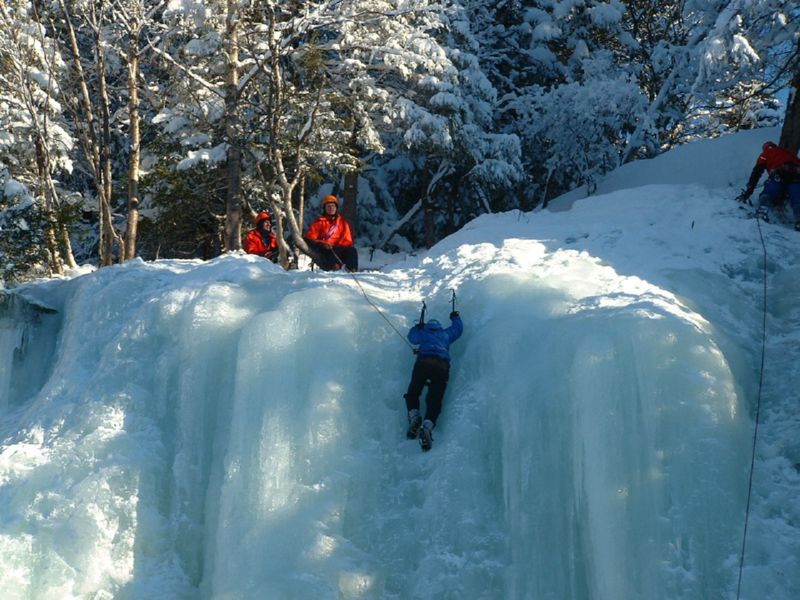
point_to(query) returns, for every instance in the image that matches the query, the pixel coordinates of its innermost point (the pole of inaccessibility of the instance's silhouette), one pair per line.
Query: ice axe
(421, 323)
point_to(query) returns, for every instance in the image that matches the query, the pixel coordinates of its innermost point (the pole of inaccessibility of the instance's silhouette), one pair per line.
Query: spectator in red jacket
(261, 240)
(330, 239)
(783, 170)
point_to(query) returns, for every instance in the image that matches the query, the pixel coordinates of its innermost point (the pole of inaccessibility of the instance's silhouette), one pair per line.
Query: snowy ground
(228, 430)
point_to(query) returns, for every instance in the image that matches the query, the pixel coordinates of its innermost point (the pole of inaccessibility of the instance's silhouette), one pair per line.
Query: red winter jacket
(261, 241)
(254, 244)
(777, 162)
(333, 230)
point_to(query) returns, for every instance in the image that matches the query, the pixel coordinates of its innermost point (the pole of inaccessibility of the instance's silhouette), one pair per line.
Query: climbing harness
(758, 413)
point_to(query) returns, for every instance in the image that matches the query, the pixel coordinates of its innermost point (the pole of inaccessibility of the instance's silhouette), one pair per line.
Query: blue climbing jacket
(433, 340)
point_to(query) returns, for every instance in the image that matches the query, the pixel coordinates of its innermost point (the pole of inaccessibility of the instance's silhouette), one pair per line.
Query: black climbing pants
(332, 259)
(435, 372)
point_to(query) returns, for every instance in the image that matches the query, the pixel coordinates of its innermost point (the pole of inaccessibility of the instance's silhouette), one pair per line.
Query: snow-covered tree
(569, 90)
(81, 29)
(430, 111)
(253, 94)
(454, 164)
(36, 141)
(590, 84)
(712, 63)
(23, 232)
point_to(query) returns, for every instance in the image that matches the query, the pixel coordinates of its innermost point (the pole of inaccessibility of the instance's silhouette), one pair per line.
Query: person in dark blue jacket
(432, 367)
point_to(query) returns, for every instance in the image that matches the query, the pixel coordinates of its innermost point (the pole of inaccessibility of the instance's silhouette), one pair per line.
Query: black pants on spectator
(435, 372)
(331, 259)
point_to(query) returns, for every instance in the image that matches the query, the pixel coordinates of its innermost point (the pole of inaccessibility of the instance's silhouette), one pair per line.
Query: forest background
(158, 129)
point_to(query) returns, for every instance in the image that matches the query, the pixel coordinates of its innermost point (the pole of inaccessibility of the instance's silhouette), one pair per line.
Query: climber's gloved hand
(744, 197)
(453, 315)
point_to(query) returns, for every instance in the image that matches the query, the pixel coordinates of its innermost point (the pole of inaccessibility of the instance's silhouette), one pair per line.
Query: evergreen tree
(446, 157)
(36, 141)
(430, 111)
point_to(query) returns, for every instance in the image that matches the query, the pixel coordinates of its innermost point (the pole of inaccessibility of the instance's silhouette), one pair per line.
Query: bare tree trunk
(350, 208)
(445, 169)
(106, 177)
(275, 152)
(545, 199)
(790, 134)
(63, 236)
(283, 250)
(56, 266)
(54, 256)
(233, 209)
(233, 212)
(301, 200)
(350, 196)
(277, 215)
(105, 161)
(396, 227)
(301, 208)
(451, 207)
(60, 231)
(131, 231)
(427, 209)
(98, 158)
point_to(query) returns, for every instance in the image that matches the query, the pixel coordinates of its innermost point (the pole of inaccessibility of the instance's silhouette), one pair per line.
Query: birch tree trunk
(301, 200)
(106, 179)
(287, 184)
(54, 256)
(131, 231)
(233, 208)
(96, 151)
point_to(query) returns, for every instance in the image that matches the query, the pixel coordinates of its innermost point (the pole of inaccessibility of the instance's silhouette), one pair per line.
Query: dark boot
(414, 424)
(426, 436)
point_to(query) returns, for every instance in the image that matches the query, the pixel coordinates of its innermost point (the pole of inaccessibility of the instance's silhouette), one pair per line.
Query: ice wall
(621, 444)
(12, 325)
(227, 430)
(27, 337)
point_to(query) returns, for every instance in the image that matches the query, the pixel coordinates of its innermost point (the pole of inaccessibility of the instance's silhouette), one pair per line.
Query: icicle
(17, 316)
(11, 338)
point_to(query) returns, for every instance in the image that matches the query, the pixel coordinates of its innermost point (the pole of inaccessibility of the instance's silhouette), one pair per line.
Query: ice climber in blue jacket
(432, 367)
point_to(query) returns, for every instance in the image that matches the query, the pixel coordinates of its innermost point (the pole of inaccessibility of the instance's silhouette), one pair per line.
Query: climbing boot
(426, 435)
(414, 424)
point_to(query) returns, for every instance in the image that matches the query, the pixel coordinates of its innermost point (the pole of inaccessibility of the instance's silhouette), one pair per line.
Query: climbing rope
(375, 306)
(758, 412)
